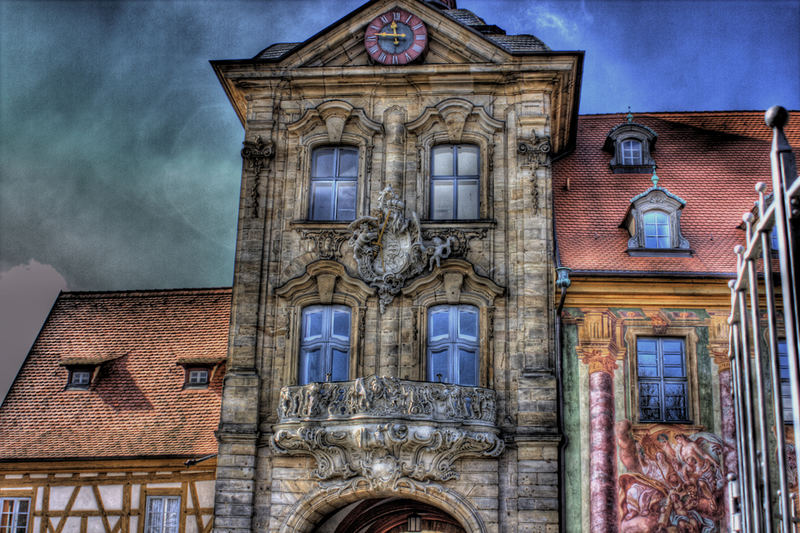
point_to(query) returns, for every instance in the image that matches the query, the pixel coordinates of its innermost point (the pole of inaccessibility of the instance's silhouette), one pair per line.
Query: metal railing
(764, 316)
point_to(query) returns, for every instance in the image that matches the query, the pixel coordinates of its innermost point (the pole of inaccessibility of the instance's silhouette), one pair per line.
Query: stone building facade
(391, 348)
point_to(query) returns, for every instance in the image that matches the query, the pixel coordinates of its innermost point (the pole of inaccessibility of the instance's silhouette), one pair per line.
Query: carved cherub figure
(441, 250)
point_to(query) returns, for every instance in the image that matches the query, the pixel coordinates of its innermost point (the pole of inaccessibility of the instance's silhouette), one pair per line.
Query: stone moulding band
(387, 398)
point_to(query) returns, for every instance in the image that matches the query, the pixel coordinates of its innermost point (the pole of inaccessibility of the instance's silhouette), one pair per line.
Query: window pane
(442, 161)
(323, 163)
(468, 324)
(467, 368)
(674, 401)
(310, 366)
(647, 371)
(346, 200)
(467, 160)
(439, 367)
(656, 230)
(155, 510)
(312, 324)
(348, 162)
(440, 324)
(341, 324)
(649, 401)
(171, 519)
(340, 366)
(322, 200)
(442, 200)
(467, 199)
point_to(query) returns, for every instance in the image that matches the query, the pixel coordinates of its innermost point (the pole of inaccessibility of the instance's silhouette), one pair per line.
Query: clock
(396, 38)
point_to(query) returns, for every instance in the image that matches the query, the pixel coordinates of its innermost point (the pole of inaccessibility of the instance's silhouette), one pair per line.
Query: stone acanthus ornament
(389, 249)
(459, 239)
(255, 154)
(386, 429)
(536, 152)
(328, 242)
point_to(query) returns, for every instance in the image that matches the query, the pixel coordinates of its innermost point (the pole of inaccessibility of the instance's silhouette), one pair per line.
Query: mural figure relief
(675, 479)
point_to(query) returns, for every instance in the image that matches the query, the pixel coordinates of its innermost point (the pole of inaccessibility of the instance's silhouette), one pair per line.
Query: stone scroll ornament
(385, 430)
(389, 249)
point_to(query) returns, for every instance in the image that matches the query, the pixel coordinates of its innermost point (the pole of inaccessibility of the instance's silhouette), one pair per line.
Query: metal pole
(784, 172)
(772, 329)
(755, 323)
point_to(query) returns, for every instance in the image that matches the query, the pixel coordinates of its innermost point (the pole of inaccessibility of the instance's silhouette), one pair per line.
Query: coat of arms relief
(389, 249)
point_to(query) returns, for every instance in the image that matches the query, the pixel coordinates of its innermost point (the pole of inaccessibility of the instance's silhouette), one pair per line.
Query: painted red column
(603, 453)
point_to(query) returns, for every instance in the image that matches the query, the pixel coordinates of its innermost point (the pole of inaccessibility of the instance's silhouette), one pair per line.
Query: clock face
(396, 38)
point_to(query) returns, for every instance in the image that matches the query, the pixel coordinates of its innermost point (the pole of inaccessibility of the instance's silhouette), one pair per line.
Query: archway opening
(389, 515)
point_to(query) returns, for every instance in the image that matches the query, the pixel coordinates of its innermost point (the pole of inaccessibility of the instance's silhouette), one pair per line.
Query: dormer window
(631, 152)
(197, 377)
(654, 224)
(79, 378)
(630, 144)
(656, 229)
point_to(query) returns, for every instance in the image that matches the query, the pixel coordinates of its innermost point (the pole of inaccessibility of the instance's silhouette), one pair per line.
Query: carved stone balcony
(384, 429)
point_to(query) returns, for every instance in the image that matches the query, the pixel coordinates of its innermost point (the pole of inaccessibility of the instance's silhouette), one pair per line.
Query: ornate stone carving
(389, 249)
(255, 154)
(328, 242)
(536, 152)
(386, 429)
(459, 239)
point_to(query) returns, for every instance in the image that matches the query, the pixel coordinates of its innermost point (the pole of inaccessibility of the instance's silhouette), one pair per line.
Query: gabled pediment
(342, 43)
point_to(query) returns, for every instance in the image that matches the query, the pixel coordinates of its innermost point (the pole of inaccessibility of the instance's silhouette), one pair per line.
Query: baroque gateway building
(392, 361)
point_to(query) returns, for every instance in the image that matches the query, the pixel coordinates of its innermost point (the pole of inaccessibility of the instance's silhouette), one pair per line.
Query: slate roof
(137, 406)
(515, 44)
(710, 159)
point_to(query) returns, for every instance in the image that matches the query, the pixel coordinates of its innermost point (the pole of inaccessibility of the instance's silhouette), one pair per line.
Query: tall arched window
(334, 179)
(455, 182)
(453, 352)
(631, 152)
(656, 230)
(325, 344)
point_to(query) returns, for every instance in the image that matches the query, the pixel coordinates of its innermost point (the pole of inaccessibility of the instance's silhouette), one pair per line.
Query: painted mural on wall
(675, 479)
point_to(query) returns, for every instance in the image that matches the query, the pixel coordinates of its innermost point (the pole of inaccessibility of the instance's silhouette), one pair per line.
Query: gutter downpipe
(562, 282)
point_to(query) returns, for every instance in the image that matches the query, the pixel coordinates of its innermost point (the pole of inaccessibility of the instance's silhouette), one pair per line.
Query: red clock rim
(406, 56)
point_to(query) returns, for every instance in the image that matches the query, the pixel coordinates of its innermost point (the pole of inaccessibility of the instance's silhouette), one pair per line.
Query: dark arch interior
(388, 515)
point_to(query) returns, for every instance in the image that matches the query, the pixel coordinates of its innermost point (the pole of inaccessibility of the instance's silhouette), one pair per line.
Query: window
(196, 377)
(455, 179)
(656, 230)
(453, 344)
(631, 145)
(653, 222)
(662, 379)
(163, 513)
(325, 344)
(786, 388)
(631, 152)
(14, 513)
(334, 178)
(79, 378)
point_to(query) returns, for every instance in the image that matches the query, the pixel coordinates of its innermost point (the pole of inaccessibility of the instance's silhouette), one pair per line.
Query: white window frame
(631, 152)
(165, 499)
(15, 515)
(457, 180)
(653, 228)
(326, 342)
(453, 344)
(335, 180)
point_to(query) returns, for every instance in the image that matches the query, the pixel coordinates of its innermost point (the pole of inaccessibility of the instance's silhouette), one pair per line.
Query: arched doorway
(389, 515)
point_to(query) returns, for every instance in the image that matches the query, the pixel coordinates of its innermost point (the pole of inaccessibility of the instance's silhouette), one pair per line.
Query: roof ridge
(144, 292)
(709, 112)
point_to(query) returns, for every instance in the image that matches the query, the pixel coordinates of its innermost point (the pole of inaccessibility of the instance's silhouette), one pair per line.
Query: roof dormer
(631, 145)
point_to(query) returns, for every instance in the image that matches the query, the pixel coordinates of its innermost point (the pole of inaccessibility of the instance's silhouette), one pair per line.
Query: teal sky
(119, 153)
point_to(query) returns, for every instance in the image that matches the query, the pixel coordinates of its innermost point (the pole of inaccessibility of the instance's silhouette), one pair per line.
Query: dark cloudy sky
(119, 153)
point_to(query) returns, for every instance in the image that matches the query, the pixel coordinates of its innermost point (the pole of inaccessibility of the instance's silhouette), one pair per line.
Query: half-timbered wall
(80, 498)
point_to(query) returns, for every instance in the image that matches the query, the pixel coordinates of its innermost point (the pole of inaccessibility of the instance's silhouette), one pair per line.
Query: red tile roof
(136, 406)
(710, 159)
